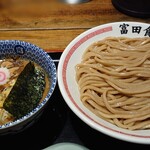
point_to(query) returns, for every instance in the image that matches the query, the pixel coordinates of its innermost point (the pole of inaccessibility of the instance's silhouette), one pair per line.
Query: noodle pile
(114, 81)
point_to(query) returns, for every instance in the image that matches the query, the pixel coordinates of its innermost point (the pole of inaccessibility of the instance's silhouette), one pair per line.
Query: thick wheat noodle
(98, 106)
(86, 96)
(108, 72)
(126, 87)
(132, 107)
(114, 81)
(120, 124)
(133, 102)
(141, 125)
(131, 63)
(95, 111)
(116, 111)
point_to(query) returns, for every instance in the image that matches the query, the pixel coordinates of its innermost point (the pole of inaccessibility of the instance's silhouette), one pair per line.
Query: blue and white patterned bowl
(38, 55)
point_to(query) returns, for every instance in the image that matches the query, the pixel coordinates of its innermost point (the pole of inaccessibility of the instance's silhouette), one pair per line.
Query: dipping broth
(23, 85)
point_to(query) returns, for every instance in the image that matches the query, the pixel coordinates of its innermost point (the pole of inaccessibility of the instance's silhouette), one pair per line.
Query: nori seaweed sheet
(27, 91)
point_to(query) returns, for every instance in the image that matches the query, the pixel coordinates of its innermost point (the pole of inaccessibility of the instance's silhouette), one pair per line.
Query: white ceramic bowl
(68, 86)
(66, 146)
(36, 54)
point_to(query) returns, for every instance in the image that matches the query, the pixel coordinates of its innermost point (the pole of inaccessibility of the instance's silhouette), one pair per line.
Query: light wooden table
(52, 25)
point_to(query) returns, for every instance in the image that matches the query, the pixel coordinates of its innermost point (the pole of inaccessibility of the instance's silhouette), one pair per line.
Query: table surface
(45, 22)
(52, 25)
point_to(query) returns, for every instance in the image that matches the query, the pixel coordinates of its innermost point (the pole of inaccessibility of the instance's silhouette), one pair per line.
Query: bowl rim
(50, 92)
(79, 113)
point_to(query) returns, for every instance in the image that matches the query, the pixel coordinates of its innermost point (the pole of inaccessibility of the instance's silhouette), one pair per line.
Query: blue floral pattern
(33, 53)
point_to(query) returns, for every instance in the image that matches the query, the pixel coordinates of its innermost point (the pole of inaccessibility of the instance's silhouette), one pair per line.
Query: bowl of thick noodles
(104, 77)
(27, 81)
